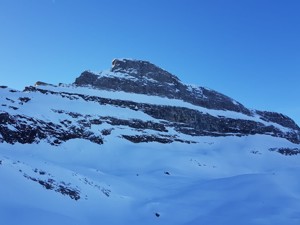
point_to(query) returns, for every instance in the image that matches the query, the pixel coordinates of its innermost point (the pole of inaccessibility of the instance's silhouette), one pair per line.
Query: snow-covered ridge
(142, 77)
(65, 106)
(81, 154)
(147, 98)
(156, 100)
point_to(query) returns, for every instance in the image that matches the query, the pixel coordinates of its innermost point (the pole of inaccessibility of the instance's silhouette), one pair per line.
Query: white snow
(156, 100)
(218, 180)
(10, 127)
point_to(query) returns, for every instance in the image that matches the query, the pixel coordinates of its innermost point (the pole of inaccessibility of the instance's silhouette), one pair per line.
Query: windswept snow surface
(232, 180)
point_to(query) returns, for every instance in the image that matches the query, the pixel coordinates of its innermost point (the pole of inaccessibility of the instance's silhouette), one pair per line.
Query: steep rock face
(183, 120)
(26, 130)
(278, 118)
(96, 108)
(142, 77)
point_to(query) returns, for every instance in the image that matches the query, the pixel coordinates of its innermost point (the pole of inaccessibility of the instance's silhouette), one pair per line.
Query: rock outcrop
(203, 114)
(143, 77)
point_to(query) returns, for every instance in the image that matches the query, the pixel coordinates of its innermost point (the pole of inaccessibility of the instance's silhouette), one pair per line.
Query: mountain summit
(135, 145)
(142, 77)
(135, 86)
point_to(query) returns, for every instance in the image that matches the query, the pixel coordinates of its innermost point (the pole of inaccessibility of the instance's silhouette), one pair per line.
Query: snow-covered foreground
(225, 180)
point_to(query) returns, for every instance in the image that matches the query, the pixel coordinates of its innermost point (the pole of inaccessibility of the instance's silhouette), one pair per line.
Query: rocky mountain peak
(143, 70)
(110, 147)
(142, 77)
(151, 103)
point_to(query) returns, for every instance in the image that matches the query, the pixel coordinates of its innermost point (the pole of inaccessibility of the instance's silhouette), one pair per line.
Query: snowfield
(213, 180)
(232, 180)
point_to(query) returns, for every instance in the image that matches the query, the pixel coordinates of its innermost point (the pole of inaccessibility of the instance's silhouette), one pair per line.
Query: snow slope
(212, 180)
(156, 100)
(217, 181)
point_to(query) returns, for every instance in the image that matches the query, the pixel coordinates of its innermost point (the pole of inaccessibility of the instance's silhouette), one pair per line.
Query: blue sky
(246, 49)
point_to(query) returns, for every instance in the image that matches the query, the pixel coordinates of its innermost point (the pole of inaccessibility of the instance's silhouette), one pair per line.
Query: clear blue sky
(247, 49)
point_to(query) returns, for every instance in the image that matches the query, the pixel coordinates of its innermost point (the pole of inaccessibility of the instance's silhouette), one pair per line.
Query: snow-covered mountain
(135, 145)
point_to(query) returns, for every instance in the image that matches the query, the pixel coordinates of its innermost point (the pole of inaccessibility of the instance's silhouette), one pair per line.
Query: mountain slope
(154, 99)
(134, 145)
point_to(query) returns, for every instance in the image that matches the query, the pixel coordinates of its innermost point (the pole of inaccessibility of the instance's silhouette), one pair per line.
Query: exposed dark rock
(24, 99)
(73, 193)
(13, 107)
(40, 83)
(145, 78)
(164, 139)
(8, 99)
(184, 120)
(147, 138)
(86, 78)
(59, 187)
(29, 130)
(106, 132)
(286, 151)
(141, 77)
(106, 192)
(278, 118)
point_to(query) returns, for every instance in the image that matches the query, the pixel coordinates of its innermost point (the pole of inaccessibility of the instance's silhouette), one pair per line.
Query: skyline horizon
(247, 50)
(184, 82)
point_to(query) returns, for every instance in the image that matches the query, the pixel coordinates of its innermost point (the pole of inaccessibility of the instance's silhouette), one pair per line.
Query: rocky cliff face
(136, 101)
(145, 78)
